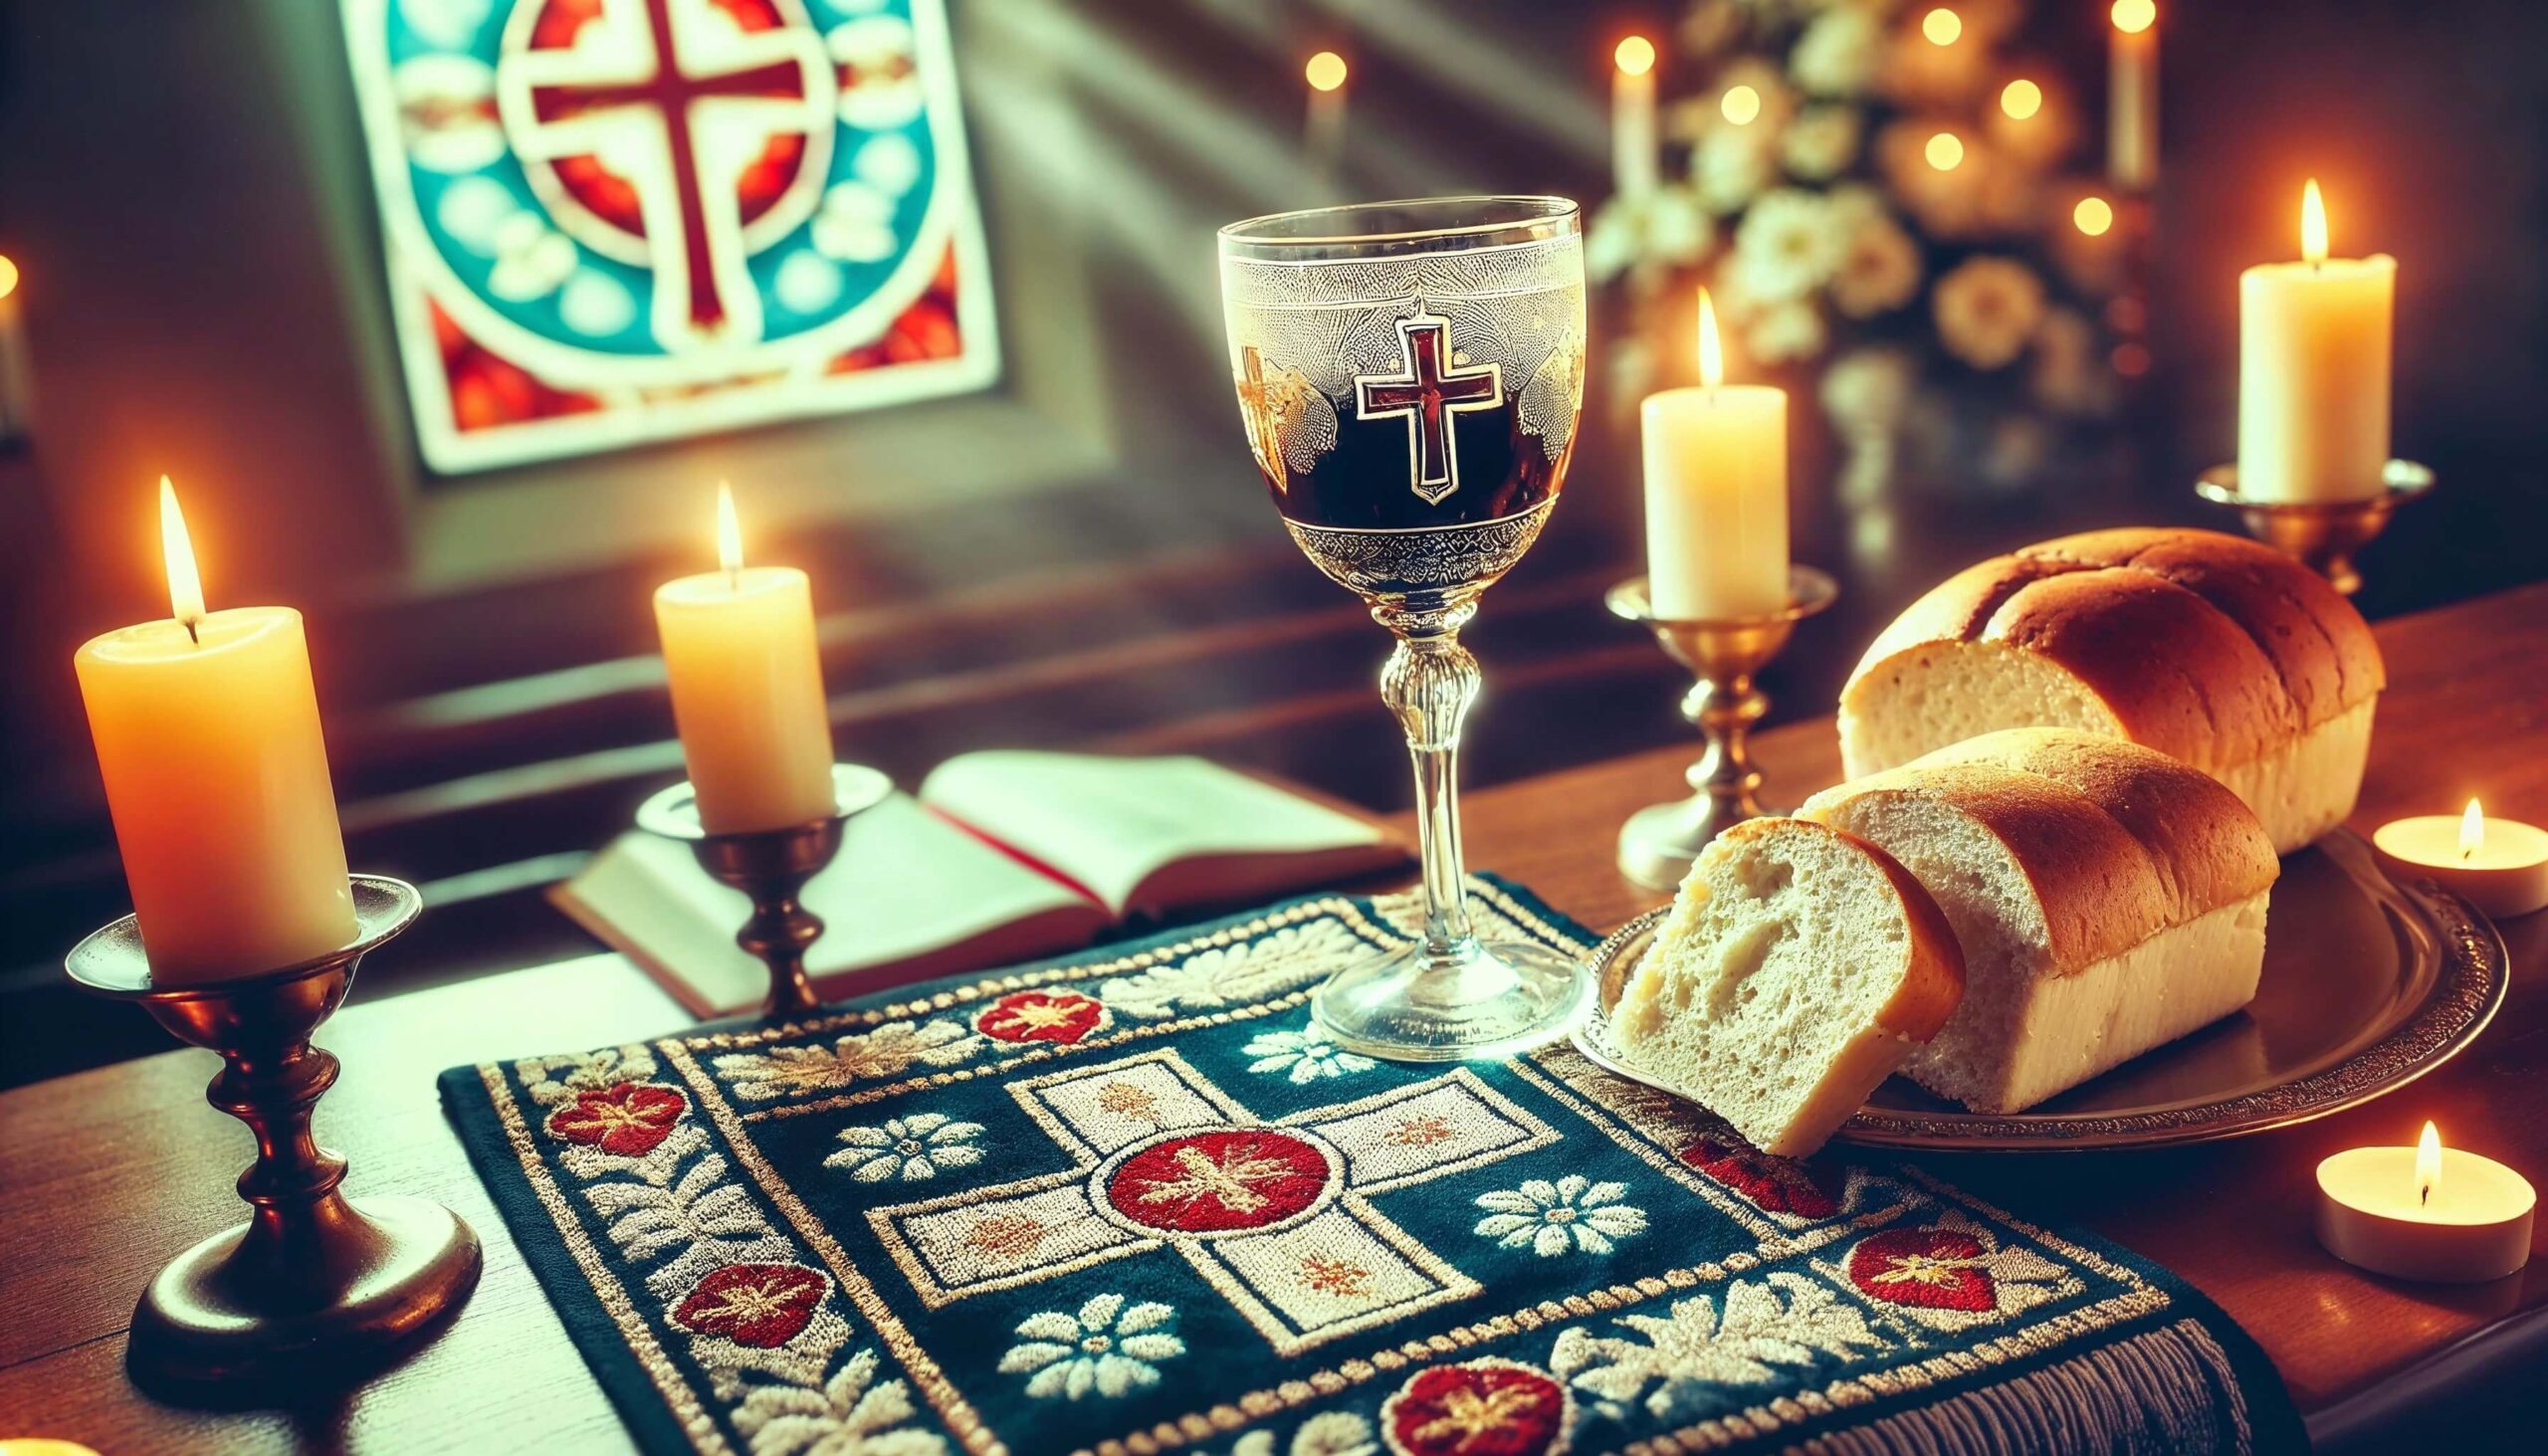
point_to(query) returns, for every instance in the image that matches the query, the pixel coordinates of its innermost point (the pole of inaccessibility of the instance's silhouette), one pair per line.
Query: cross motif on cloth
(1428, 394)
(1275, 1217)
(675, 102)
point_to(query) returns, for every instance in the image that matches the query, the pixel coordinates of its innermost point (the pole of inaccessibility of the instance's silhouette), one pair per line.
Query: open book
(1003, 857)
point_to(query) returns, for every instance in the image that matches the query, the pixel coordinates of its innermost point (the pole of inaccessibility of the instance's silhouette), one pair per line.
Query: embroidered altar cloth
(1135, 1201)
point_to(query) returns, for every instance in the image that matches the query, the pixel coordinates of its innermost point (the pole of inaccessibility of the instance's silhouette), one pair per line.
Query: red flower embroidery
(1928, 1268)
(1059, 1016)
(1212, 1182)
(1775, 1184)
(1486, 1407)
(761, 1305)
(627, 1119)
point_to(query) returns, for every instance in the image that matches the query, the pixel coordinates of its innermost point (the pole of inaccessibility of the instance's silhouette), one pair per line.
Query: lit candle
(1716, 493)
(207, 734)
(2499, 866)
(2425, 1212)
(2132, 96)
(2313, 371)
(747, 689)
(1633, 159)
(1323, 133)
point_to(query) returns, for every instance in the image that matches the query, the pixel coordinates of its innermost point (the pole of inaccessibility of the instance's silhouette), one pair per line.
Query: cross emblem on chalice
(1276, 1216)
(1433, 388)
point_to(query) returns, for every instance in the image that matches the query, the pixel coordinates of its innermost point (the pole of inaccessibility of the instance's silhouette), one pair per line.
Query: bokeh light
(1741, 104)
(1326, 71)
(1636, 55)
(2135, 16)
(1941, 26)
(2020, 98)
(2093, 216)
(1945, 151)
(8, 274)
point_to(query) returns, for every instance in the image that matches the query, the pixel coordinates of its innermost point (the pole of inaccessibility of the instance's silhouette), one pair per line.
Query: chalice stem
(1429, 682)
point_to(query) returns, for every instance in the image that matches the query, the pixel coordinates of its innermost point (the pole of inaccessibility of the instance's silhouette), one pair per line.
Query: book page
(904, 885)
(1111, 823)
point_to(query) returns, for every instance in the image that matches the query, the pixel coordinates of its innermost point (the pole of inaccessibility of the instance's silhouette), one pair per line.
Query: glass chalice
(1409, 374)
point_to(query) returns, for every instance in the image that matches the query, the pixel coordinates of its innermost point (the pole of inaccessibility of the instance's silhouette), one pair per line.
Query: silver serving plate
(2368, 984)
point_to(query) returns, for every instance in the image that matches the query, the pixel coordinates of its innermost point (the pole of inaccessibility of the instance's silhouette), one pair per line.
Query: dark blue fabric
(1131, 1199)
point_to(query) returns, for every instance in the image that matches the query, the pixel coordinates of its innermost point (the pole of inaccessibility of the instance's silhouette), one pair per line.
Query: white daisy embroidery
(1105, 1348)
(1571, 1213)
(1307, 1054)
(912, 1149)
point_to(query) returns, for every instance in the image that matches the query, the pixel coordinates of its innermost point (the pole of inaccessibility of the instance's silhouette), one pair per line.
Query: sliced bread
(1797, 968)
(2107, 899)
(2219, 651)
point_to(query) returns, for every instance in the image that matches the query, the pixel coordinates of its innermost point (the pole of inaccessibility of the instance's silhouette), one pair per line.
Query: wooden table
(106, 1175)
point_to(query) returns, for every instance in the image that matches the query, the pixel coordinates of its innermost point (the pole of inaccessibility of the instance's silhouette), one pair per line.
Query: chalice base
(220, 1314)
(1474, 999)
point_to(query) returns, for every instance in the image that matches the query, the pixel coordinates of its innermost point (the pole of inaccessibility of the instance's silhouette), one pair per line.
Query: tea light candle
(2313, 371)
(207, 734)
(1716, 493)
(2425, 1212)
(747, 689)
(2499, 866)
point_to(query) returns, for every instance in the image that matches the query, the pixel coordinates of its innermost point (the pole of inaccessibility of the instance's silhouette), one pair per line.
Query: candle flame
(2313, 224)
(2472, 830)
(1711, 350)
(2132, 17)
(729, 537)
(2428, 1164)
(1326, 71)
(185, 587)
(1636, 55)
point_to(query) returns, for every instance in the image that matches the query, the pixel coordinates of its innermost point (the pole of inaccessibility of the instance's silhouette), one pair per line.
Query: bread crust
(2117, 840)
(2321, 648)
(2212, 648)
(2208, 847)
(2100, 889)
(1933, 977)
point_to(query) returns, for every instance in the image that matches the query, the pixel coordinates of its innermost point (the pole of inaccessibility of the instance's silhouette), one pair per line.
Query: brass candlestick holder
(771, 865)
(2321, 535)
(314, 1280)
(1657, 842)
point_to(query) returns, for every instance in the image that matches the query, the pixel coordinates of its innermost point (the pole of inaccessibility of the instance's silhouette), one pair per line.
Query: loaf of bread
(1797, 968)
(2219, 651)
(2107, 899)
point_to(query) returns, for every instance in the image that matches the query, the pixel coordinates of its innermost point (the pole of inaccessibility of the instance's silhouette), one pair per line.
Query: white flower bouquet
(1877, 191)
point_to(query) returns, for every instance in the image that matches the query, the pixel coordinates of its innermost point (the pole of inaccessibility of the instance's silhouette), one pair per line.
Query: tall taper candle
(207, 734)
(2313, 371)
(2132, 96)
(747, 689)
(1716, 493)
(1634, 163)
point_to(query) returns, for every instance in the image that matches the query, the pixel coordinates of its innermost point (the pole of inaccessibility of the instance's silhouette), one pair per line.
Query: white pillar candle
(2426, 1212)
(2313, 372)
(1635, 161)
(207, 734)
(747, 689)
(2499, 866)
(1716, 493)
(2132, 96)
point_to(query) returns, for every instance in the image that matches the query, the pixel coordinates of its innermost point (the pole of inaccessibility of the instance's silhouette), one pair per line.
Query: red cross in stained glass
(668, 95)
(1429, 394)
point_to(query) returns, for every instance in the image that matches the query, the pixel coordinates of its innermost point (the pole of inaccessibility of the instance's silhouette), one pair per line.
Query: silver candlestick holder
(2322, 535)
(1657, 842)
(771, 865)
